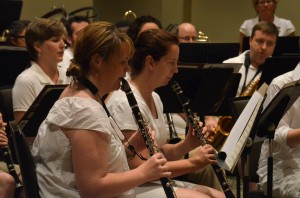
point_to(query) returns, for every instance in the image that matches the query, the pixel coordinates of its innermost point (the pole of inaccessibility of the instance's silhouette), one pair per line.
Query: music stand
(207, 52)
(206, 89)
(270, 118)
(277, 65)
(10, 10)
(13, 60)
(39, 109)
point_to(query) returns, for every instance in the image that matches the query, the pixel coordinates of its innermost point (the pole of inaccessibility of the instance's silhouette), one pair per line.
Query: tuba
(225, 123)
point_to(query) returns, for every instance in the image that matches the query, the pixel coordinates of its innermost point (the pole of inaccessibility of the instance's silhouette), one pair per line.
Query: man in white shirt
(286, 150)
(262, 44)
(73, 26)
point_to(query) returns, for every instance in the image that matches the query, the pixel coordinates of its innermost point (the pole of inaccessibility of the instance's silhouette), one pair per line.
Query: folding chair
(26, 162)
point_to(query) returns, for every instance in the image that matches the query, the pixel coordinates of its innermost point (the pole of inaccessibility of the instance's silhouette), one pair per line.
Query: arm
(23, 95)
(292, 34)
(293, 138)
(241, 39)
(3, 137)
(90, 157)
(203, 156)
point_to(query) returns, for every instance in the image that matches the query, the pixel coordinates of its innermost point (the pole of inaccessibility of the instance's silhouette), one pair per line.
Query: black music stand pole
(270, 118)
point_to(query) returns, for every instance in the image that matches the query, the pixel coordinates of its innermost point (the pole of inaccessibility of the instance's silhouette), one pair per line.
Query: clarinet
(173, 134)
(195, 123)
(10, 165)
(166, 182)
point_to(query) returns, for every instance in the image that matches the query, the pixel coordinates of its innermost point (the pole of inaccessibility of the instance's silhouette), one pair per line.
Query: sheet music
(240, 132)
(237, 151)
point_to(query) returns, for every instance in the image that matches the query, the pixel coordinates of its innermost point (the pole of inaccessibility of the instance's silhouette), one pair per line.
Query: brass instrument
(225, 123)
(129, 13)
(202, 38)
(3, 37)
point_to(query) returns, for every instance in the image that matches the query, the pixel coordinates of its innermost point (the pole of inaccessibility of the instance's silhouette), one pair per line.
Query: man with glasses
(187, 33)
(262, 44)
(265, 10)
(16, 33)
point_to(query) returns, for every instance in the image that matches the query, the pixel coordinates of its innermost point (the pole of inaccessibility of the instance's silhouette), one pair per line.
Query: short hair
(151, 42)
(255, 2)
(136, 26)
(101, 38)
(41, 30)
(74, 19)
(266, 27)
(15, 29)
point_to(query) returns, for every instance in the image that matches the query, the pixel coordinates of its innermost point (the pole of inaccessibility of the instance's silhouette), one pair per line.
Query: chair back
(6, 106)
(26, 162)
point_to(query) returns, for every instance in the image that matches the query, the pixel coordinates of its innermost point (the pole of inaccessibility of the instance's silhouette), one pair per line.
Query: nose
(264, 46)
(127, 67)
(176, 69)
(62, 44)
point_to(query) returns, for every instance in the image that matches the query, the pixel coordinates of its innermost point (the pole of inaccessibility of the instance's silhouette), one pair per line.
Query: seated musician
(153, 64)
(44, 42)
(286, 145)
(262, 44)
(16, 33)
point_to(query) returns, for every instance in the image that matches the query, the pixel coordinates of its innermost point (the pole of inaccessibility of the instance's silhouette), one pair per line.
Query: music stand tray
(39, 109)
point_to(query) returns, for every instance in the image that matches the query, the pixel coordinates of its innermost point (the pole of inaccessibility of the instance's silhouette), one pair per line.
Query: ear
(37, 47)
(149, 62)
(96, 59)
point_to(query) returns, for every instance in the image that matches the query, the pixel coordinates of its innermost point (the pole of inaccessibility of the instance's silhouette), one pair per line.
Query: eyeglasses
(188, 38)
(265, 1)
(21, 37)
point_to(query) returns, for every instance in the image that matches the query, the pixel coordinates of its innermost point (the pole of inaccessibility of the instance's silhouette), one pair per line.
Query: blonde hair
(101, 38)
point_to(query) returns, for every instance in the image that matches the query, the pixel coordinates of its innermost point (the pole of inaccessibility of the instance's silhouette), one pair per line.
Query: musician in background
(265, 10)
(153, 64)
(7, 182)
(45, 44)
(187, 33)
(286, 145)
(16, 33)
(142, 23)
(262, 44)
(73, 26)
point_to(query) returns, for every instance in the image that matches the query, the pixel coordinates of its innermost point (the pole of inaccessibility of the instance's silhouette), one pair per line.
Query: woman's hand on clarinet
(137, 140)
(192, 139)
(203, 156)
(3, 137)
(155, 168)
